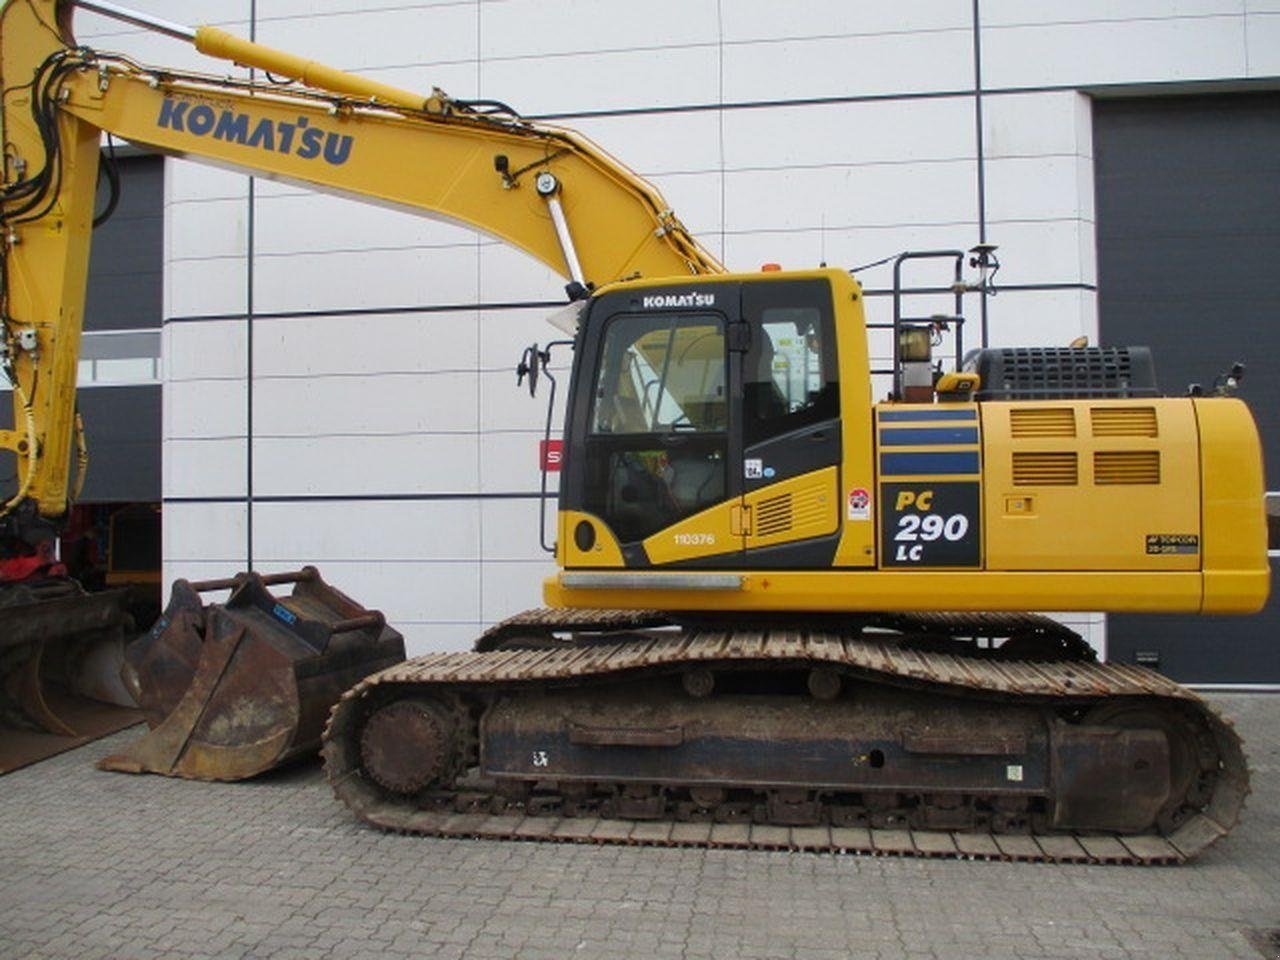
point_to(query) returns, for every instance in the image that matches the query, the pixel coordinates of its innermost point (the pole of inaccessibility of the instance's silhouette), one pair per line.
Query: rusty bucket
(232, 690)
(61, 651)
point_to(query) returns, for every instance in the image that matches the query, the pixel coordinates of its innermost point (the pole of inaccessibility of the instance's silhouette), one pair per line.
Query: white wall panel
(507, 587)
(186, 180)
(525, 28)
(395, 403)
(362, 279)
(366, 344)
(422, 638)
(1262, 47)
(204, 467)
(1021, 318)
(847, 247)
(1044, 251)
(207, 350)
(760, 20)
(269, 10)
(614, 80)
(1117, 51)
(209, 287)
(850, 196)
(207, 533)
(1038, 188)
(507, 275)
(1038, 124)
(504, 406)
(210, 228)
(851, 66)
(849, 133)
(509, 529)
(203, 408)
(390, 531)
(1020, 12)
(509, 461)
(504, 335)
(366, 466)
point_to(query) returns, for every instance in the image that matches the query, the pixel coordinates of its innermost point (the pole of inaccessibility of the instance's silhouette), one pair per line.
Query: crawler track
(472, 807)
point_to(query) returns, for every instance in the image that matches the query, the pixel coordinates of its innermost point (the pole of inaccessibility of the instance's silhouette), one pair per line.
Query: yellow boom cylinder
(227, 46)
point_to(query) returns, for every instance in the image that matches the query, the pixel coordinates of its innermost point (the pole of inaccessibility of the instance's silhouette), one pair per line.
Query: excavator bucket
(61, 651)
(236, 689)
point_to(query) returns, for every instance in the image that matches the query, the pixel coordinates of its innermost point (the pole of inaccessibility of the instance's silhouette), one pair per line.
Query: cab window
(788, 374)
(662, 375)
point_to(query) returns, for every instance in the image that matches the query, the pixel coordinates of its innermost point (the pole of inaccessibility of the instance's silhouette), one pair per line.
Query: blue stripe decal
(887, 416)
(927, 436)
(916, 464)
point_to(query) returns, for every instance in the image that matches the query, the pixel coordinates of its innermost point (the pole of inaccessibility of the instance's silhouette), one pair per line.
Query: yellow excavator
(785, 615)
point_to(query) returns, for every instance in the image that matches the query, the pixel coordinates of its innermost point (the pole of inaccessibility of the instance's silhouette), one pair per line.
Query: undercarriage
(626, 727)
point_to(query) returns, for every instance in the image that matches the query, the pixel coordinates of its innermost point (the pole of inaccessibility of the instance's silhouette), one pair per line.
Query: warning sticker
(859, 504)
(1163, 543)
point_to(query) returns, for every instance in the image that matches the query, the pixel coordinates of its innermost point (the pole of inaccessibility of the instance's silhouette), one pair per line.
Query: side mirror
(528, 366)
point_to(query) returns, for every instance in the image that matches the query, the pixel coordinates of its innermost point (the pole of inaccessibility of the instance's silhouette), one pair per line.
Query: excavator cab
(687, 402)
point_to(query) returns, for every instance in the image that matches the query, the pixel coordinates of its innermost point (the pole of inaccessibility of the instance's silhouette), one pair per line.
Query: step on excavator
(785, 615)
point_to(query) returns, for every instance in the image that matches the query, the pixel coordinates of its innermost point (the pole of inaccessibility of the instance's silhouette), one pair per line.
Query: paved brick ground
(99, 865)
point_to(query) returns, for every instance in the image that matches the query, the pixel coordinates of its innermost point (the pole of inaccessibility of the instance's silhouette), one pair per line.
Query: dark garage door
(125, 286)
(1188, 210)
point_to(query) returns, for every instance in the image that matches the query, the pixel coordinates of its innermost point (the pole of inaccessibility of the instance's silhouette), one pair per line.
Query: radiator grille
(773, 516)
(1063, 373)
(1031, 468)
(1126, 466)
(1124, 421)
(1043, 422)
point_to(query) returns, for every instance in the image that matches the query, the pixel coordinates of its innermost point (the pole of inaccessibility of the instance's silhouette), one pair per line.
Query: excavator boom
(547, 191)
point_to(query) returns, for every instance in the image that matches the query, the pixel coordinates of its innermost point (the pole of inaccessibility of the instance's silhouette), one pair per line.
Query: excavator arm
(549, 192)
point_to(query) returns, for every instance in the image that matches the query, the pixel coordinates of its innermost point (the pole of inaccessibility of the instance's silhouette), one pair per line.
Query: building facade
(337, 378)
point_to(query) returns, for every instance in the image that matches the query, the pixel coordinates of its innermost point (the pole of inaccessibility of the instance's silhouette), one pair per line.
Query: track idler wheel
(409, 745)
(1191, 753)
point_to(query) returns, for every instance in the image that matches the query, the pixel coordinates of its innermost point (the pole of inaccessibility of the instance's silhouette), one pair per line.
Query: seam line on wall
(356, 498)
(538, 305)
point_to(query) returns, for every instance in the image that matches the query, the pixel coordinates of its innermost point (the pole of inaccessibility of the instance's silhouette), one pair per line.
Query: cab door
(658, 447)
(788, 421)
